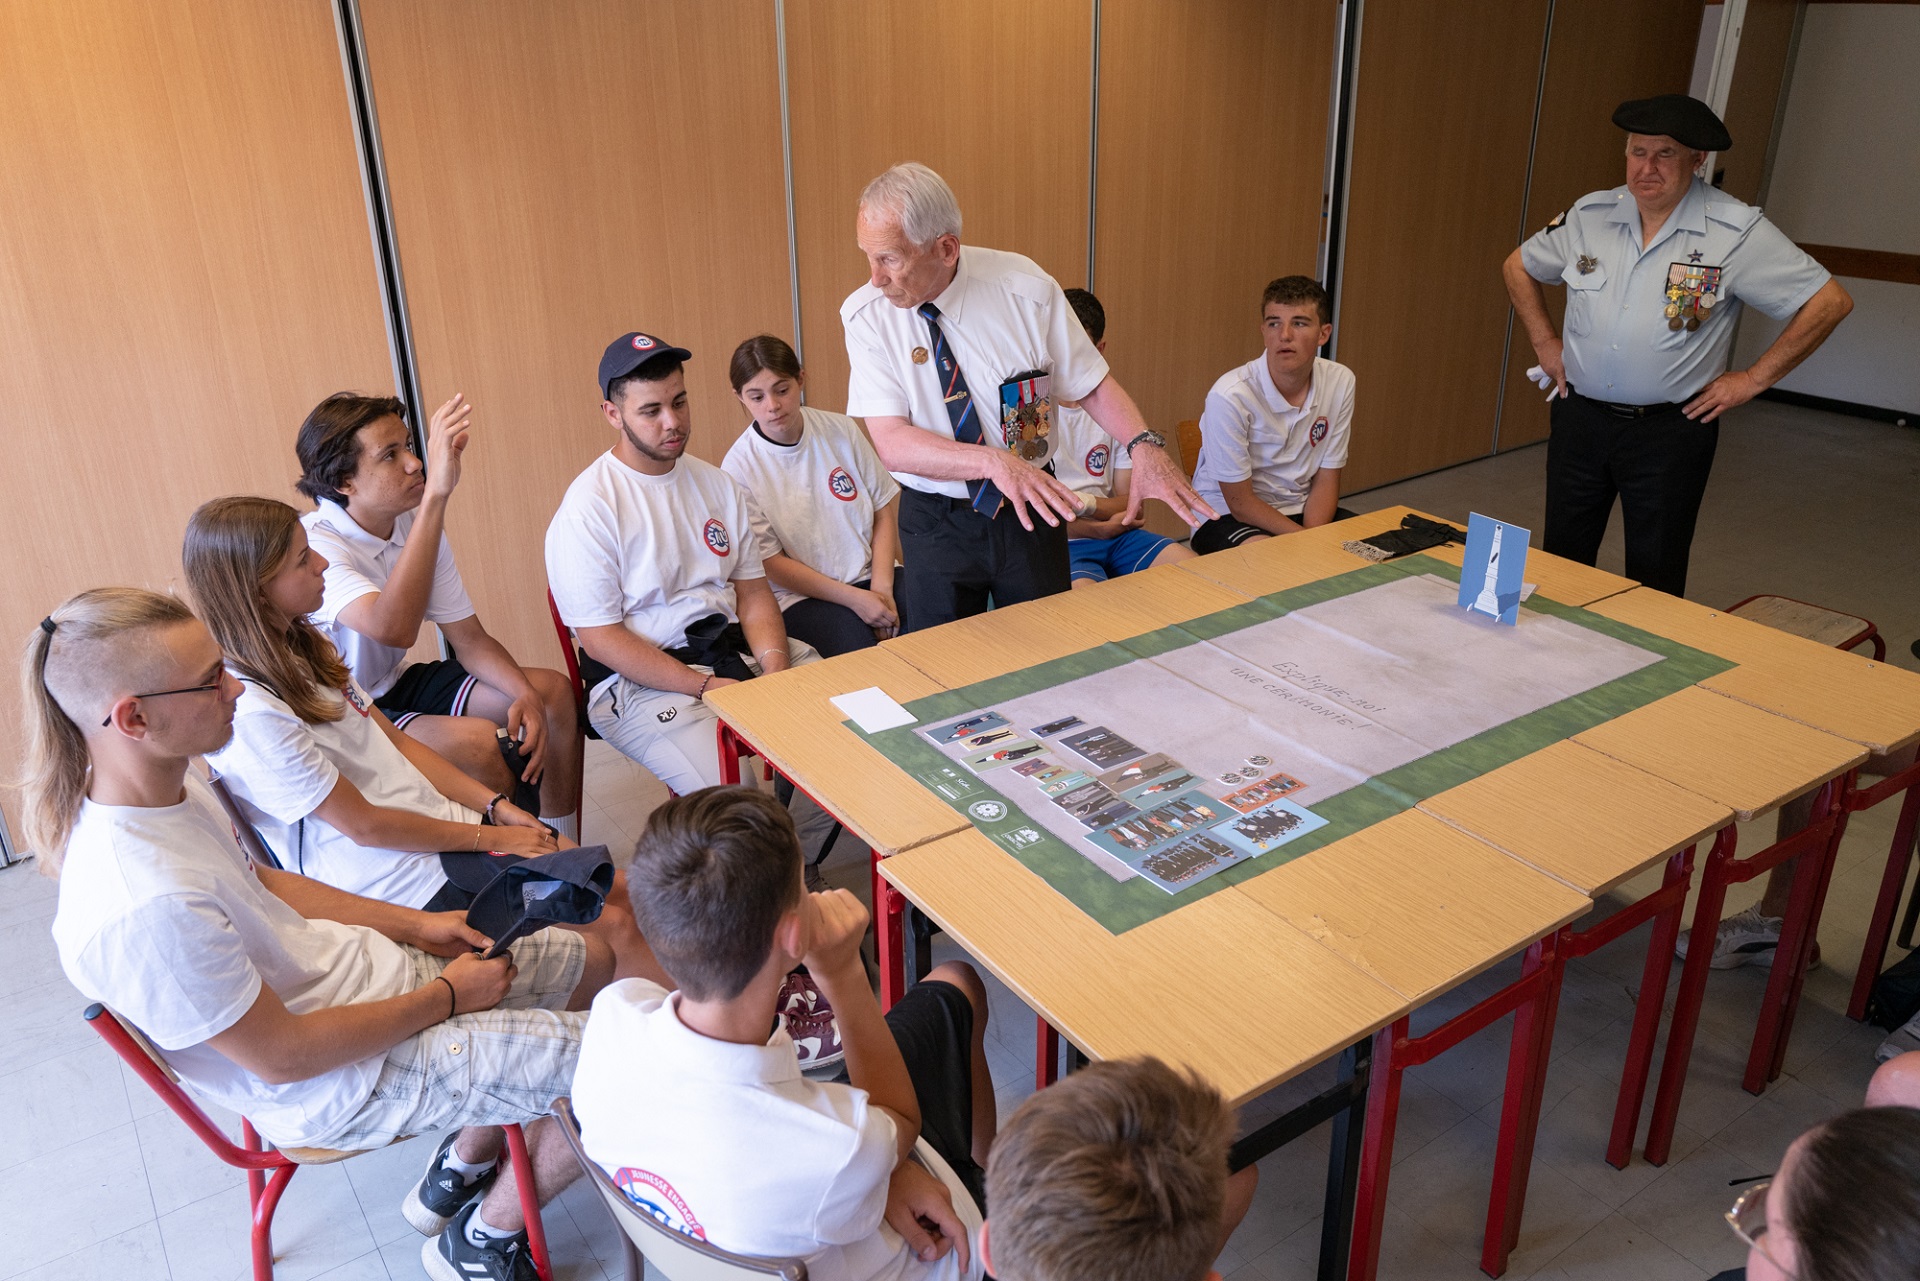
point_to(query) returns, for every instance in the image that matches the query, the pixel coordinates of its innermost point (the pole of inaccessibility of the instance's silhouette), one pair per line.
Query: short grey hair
(919, 198)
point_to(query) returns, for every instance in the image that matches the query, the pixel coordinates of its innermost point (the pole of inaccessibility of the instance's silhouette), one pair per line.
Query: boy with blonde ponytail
(320, 1015)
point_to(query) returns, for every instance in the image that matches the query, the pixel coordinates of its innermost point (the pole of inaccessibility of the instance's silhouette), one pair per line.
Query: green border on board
(1121, 905)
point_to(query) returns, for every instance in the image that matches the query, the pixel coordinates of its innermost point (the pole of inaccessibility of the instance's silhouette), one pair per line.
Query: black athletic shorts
(428, 689)
(933, 1026)
(1223, 532)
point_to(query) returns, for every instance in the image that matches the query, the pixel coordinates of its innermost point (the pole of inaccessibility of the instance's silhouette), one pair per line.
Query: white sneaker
(1745, 938)
(1905, 1038)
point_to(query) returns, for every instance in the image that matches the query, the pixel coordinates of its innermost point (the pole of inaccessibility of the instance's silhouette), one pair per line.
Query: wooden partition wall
(1601, 53)
(1213, 131)
(1753, 98)
(184, 270)
(996, 95)
(1441, 128)
(560, 174)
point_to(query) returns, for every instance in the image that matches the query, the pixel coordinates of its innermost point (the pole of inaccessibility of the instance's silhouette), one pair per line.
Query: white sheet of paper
(872, 710)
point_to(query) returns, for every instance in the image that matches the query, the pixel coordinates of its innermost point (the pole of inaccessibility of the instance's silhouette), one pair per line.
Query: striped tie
(984, 494)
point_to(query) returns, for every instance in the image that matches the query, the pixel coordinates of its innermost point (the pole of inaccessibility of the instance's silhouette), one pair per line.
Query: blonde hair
(233, 546)
(90, 652)
(1118, 1173)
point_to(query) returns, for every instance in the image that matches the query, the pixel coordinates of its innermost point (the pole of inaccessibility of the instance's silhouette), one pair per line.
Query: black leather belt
(1627, 411)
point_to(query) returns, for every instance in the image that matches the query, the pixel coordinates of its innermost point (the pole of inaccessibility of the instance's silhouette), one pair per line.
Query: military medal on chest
(1026, 416)
(1586, 264)
(1692, 292)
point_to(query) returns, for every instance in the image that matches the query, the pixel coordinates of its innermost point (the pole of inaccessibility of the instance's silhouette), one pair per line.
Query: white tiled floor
(100, 1181)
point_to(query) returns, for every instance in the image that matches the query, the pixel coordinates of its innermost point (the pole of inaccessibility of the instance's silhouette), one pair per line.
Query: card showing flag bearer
(1026, 416)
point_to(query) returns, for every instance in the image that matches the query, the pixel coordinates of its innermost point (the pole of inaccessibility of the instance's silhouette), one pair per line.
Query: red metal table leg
(1527, 1058)
(1046, 1059)
(1687, 1001)
(1814, 847)
(1892, 882)
(1653, 996)
(890, 941)
(1376, 1153)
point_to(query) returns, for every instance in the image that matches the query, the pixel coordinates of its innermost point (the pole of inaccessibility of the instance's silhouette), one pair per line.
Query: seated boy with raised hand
(1101, 544)
(1273, 435)
(1117, 1173)
(692, 1100)
(379, 521)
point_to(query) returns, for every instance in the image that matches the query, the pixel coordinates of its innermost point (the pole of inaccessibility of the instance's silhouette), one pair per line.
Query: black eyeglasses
(162, 693)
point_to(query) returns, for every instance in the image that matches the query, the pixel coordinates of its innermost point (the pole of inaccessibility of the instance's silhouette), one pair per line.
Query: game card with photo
(1060, 726)
(1162, 825)
(1268, 789)
(994, 757)
(1094, 806)
(1064, 782)
(1269, 827)
(1152, 793)
(1034, 766)
(1101, 747)
(988, 738)
(1144, 770)
(972, 723)
(1186, 862)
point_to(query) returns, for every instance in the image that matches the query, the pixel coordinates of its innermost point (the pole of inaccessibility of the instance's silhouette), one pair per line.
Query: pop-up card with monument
(1492, 573)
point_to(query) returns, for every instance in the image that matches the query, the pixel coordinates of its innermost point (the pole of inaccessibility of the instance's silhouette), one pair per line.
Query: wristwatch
(1147, 437)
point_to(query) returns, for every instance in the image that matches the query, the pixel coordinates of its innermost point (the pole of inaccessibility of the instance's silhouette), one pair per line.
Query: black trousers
(1657, 466)
(831, 628)
(958, 563)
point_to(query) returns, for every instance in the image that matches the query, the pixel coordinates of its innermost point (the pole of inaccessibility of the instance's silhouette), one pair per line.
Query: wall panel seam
(1526, 203)
(786, 160)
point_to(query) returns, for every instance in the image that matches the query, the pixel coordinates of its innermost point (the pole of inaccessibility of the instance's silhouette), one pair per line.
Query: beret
(1688, 121)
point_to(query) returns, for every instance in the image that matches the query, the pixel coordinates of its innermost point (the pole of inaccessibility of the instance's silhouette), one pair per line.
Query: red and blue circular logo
(658, 1198)
(641, 342)
(1097, 459)
(717, 540)
(1318, 432)
(840, 485)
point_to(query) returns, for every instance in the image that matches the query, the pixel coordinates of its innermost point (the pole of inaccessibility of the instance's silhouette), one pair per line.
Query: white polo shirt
(815, 499)
(1248, 430)
(279, 768)
(1084, 456)
(162, 918)
(731, 1144)
(652, 552)
(359, 564)
(1001, 315)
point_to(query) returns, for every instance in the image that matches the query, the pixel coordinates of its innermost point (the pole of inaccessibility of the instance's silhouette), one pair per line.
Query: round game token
(1259, 760)
(1231, 779)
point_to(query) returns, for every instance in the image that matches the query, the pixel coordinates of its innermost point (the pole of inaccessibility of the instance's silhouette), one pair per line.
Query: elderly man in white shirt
(946, 343)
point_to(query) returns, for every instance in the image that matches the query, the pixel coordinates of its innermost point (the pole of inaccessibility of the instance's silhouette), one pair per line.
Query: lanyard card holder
(1026, 416)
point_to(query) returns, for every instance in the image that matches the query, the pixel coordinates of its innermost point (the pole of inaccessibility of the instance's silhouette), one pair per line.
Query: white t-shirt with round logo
(1085, 457)
(815, 499)
(654, 553)
(279, 768)
(730, 1143)
(1250, 431)
(162, 918)
(359, 564)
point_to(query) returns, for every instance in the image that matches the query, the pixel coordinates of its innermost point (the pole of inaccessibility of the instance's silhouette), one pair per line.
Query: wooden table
(1256, 983)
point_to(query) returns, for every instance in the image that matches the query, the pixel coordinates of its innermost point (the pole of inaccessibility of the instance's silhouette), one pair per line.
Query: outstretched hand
(1156, 475)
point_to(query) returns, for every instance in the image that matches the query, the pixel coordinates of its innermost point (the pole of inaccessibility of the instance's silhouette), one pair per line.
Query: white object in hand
(1489, 599)
(1543, 379)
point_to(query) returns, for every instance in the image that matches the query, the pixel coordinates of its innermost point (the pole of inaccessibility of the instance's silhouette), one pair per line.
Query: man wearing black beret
(1656, 271)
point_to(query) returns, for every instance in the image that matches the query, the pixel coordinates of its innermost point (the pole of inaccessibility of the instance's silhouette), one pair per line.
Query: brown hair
(1093, 317)
(1294, 290)
(763, 351)
(710, 878)
(1118, 1173)
(1853, 1204)
(328, 445)
(100, 647)
(233, 546)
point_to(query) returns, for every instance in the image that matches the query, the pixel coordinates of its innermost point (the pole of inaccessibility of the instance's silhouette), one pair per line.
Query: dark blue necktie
(984, 494)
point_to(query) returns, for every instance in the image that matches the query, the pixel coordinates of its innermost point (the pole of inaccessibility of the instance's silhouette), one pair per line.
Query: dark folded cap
(1688, 121)
(521, 895)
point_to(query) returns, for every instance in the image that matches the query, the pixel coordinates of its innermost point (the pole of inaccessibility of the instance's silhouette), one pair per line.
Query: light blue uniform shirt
(1618, 346)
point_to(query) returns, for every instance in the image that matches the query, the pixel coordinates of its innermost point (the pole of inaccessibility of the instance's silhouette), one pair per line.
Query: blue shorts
(1099, 559)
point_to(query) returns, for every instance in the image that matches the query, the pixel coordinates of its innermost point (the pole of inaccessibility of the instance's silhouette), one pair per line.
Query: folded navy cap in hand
(567, 887)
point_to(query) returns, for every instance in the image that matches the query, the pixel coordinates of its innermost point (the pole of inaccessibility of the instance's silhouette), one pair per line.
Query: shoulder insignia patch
(1559, 220)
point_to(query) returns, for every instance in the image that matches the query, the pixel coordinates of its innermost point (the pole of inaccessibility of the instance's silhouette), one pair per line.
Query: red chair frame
(269, 1169)
(1871, 632)
(1892, 881)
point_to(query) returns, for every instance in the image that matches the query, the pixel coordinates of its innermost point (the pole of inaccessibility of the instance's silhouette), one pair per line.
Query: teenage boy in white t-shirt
(653, 564)
(327, 1019)
(1101, 543)
(379, 521)
(826, 511)
(701, 1115)
(1273, 435)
